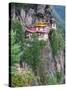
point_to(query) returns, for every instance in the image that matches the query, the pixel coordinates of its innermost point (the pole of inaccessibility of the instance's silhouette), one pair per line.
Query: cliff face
(47, 59)
(51, 64)
(60, 65)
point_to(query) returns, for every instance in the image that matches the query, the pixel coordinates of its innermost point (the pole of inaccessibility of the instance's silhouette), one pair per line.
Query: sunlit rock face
(31, 11)
(60, 64)
(47, 68)
(50, 64)
(40, 9)
(60, 61)
(28, 20)
(22, 14)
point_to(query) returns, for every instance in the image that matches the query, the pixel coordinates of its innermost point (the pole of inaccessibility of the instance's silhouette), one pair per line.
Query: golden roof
(40, 24)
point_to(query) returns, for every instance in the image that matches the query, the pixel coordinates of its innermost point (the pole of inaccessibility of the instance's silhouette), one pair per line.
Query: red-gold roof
(41, 24)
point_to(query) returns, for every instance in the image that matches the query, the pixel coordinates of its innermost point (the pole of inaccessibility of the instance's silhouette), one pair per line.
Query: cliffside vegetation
(56, 41)
(34, 62)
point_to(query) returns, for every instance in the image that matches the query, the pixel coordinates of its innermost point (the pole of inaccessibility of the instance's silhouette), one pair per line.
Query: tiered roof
(39, 27)
(41, 24)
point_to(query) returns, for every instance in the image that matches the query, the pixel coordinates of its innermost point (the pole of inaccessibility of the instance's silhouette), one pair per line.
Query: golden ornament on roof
(40, 24)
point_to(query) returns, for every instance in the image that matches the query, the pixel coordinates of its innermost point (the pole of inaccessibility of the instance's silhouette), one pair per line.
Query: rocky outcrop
(28, 20)
(47, 61)
(41, 9)
(60, 65)
(23, 13)
(51, 65)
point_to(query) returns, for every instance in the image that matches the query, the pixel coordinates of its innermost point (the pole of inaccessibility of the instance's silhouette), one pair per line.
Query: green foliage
(61, 29)
(56, 42)
(15, 53)
(59, 76)
(23, 79)
(16, 80)
(19, 46)
(19, 31)
(52, 80)
(48, 79)
(13, 69)
(32, 53)
(56, 79)
(16, 41)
